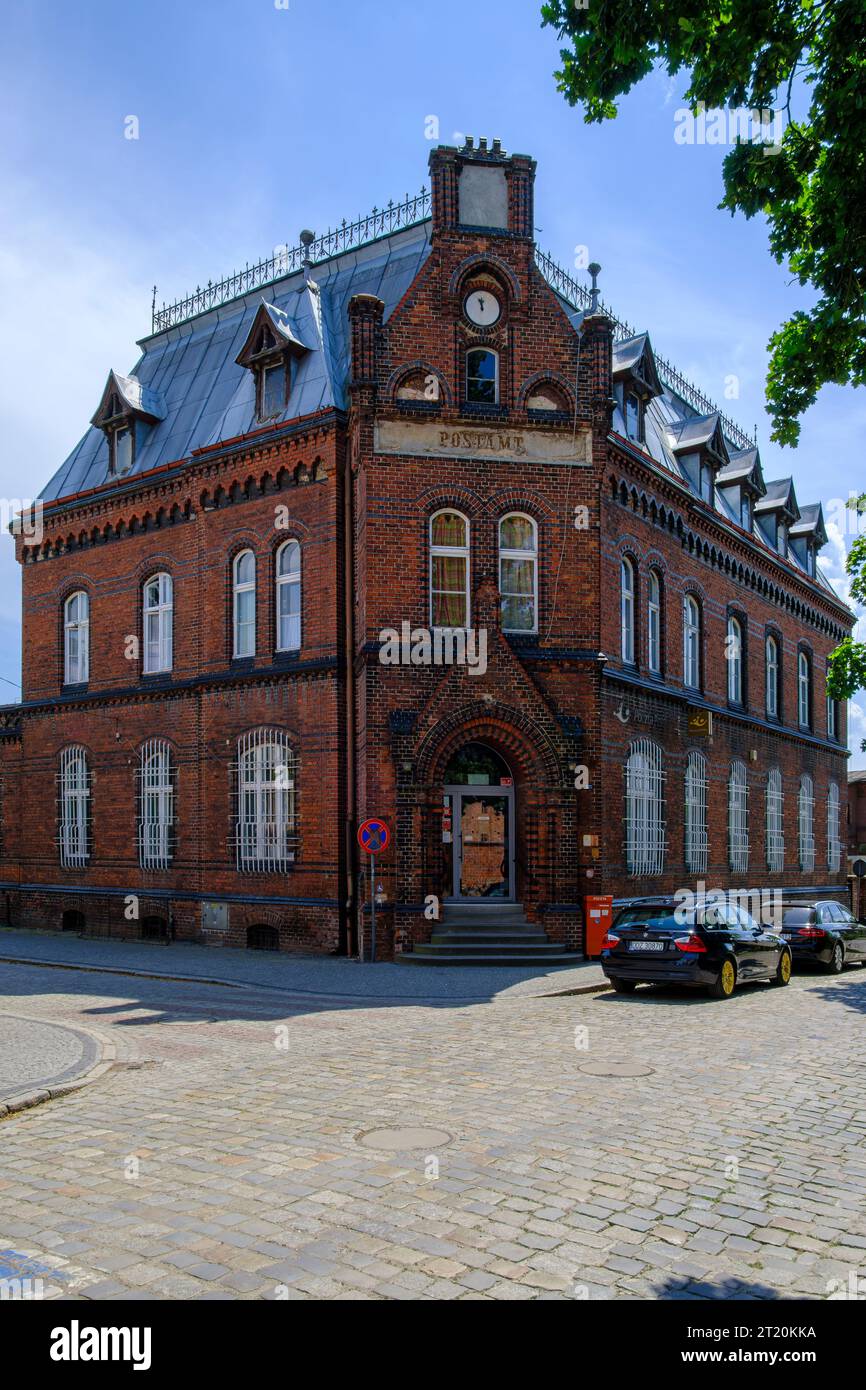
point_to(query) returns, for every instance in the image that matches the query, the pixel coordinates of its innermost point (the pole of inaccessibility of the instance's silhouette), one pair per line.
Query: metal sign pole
(373, 909)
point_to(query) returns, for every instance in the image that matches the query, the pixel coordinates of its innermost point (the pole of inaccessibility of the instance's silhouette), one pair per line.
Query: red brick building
(405, 523)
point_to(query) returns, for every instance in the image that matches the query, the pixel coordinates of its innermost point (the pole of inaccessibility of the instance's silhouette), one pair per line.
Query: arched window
(834, 842)
(266, 802)
(482, 377)
(76, 638)
(804, 691)
(806, 823)
(545, 396)
(654, 623)
(738, 818)
(244, 604)
(288, 598)
(518, 573)
(772, 677)
(697, 841)
(74, 799)
(691, 643)
(158, 613)
(775, 822)
(155, 805)
(449, 570)
(734, 658)
(644, 809)
(626, 610)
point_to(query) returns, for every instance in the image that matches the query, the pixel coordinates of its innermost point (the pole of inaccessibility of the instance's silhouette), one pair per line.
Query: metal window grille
(76, 639)
(806, 823)
(74, 798)
(156, 805)
(738, 818)
(697, 840)
(834, 842)
(265, 833)
(775, 823)
(158, 616)
(644, 809)
(289, 597)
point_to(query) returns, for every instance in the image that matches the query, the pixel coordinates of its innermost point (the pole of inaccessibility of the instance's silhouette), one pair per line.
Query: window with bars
(265, 832)
(244, 604)
(74, 809)
(156, 805)
(644, 809)
(158, 615)
(834, 841)
(697, 840)
(289, 597)
(738, 818)
(627, 642)
(806, 823)
(76, 639)
(775, 822)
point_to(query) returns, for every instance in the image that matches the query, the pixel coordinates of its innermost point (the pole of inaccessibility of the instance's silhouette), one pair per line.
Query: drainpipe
(350, 910)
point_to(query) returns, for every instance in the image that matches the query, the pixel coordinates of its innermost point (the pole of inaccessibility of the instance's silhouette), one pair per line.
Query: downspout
(351, 844)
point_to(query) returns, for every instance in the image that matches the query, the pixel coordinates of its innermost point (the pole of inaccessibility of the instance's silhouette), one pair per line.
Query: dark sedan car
(709, 945)
(825, 933)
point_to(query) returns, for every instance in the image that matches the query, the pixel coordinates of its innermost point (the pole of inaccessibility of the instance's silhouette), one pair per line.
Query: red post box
(598, 919)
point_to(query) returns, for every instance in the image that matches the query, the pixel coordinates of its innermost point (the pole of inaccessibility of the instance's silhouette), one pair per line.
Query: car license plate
(646, 945)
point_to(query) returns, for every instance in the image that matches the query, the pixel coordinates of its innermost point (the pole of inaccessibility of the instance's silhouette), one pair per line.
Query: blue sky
(256, 121)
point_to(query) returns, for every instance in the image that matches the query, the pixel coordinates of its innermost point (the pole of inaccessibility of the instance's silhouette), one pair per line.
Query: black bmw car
(707, 945)
(823, 932)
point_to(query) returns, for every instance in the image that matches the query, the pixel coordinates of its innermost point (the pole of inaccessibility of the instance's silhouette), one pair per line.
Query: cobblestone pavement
(221, 1156)
(34, 1055)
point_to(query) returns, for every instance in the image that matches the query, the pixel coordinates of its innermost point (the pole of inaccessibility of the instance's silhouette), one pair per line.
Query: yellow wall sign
(700, 722)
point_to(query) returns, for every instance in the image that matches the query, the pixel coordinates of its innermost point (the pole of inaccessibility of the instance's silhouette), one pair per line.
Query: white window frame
(158, 651)
(834, 839)
(76, 669)
(284, 585)
(738, 817)
(771, 676)
(645, 844)
(696, 836)
(74, 800)
(266, 802)
(804, 691)
(654, 623)
(806, 823)
(734, 656)
(775, 822)
(530, 556)
(627, 635)
(691, 642)
(832, 718)
(156, 809)
(460, 551)
(238, 588)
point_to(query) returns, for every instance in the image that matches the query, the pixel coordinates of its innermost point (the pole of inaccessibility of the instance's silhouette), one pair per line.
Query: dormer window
(782, 538)
(273, 389)
(634, 416)
(270, 352)
(125, 412)
(636, 382)
(121, 449)
(746, 512)
(707, 483)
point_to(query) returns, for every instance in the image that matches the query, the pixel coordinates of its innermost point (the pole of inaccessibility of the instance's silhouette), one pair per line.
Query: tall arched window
(738, 818)
(288, 598)
(654, 623)
(518, 573)
(266, 801)
(771, 681)
(626, 611)
(834, 842)
(804, 691)
(244, 604)
(76, 638)
(155, 805)
(74, 799)
(832, 718)
(691, 642)
(482, 377)
(734, 659)
(449, 570)
(806, 823)
(697, 840)
(775, 822)
(158, 617)
(644, 809)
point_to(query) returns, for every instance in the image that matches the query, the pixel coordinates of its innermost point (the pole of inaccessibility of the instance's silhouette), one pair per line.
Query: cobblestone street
(222, 1153)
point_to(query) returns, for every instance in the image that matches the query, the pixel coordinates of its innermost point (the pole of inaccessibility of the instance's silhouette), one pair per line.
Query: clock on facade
(482, 308)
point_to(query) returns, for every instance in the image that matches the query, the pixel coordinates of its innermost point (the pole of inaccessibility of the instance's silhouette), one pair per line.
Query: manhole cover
(405, 1138)
(610, 1067)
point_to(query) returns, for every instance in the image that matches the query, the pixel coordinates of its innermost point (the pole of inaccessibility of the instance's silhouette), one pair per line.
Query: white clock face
(482, 307)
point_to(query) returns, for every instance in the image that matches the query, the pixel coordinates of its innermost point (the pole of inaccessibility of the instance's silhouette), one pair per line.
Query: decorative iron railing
(579, 297)
(286, 260)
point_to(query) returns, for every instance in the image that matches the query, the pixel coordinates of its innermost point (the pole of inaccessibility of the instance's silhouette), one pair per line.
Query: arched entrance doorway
(478, 816)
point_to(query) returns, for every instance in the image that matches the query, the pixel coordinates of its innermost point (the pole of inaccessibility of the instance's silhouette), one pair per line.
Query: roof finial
(594, 270)
(307, 238)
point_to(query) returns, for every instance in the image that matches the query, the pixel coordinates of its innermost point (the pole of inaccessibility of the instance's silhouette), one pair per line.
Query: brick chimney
(477, 188)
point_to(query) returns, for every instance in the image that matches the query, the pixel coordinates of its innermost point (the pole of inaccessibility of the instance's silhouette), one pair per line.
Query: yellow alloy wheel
(728, 978)
(785, 968)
